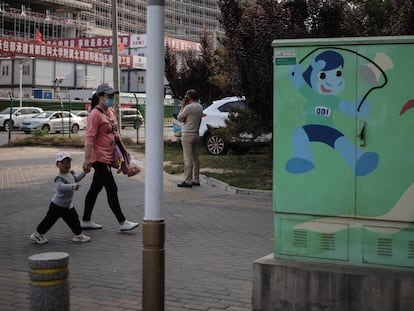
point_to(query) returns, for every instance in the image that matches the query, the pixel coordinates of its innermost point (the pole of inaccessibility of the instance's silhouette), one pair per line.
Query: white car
(18, 114)
(83, 114)
(53, 121)
(215, 116)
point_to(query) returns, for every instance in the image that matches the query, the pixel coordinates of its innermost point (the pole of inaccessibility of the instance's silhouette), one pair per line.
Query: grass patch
(252, 170)
(43, 139)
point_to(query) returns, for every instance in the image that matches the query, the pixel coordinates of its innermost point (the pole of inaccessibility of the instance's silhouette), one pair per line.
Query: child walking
(61, 205)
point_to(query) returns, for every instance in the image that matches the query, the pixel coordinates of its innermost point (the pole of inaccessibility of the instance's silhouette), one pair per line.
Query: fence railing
(140, 133)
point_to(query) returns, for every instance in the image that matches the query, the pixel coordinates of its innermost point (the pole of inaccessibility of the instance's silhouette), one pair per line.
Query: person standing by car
(100, 136)
(190, 115)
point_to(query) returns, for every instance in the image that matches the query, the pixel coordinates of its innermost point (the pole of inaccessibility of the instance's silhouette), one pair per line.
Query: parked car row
(29, 119)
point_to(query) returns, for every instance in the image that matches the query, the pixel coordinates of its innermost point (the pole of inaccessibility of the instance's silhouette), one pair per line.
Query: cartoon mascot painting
(321, 84)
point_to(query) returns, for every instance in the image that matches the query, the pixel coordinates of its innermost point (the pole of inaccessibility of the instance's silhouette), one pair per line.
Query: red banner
(181, 45)
(89, 43)
(11, 47)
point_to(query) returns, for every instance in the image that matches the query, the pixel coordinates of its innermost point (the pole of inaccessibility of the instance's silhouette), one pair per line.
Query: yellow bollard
(49, 284)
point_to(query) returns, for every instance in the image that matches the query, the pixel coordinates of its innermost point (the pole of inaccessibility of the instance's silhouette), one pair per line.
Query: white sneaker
(81, 238)
(90, 225)
(128, 225)
(38, 238)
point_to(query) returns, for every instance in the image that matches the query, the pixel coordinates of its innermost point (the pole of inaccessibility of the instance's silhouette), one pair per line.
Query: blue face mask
(109, 102)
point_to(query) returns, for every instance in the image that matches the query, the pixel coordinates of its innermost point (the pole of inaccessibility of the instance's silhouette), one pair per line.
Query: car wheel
(8, 124)
(75, 128)
(46, 127)
(215, 144)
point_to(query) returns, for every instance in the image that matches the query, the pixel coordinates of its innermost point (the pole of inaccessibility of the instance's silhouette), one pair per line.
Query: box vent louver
(411, 249)
(300, 238)
(384, 247)
(327, 242)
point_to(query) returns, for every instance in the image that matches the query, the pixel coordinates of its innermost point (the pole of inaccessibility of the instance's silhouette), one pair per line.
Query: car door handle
(362, 134)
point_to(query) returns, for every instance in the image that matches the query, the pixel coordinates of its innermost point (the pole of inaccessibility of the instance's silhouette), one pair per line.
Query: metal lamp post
(153, 254)
(21, 61)
(21, 84)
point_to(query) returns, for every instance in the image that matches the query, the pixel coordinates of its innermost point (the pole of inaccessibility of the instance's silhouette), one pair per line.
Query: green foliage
(42, 138)
(45, 104)
(239, 123)
(40, 133)
(250, 28)
(196, 72)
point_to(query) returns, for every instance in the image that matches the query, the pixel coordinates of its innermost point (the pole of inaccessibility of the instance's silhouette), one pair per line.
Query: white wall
(44, 74)
(66, 71)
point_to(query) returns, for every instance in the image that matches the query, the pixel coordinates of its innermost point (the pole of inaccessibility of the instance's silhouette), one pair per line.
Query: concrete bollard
(49, 285)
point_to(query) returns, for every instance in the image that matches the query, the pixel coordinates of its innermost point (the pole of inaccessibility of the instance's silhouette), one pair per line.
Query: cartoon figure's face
(328, 82)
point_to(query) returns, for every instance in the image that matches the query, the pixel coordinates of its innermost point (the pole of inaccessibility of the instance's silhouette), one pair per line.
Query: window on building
(26, 70)
(5, 70)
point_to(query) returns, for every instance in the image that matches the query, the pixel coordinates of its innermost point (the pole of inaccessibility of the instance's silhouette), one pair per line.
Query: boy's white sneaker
(38, 238)
(81, 238)
(90, 225)
(128, 225)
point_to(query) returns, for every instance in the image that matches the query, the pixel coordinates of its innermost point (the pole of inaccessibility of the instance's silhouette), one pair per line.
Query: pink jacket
(101, 130)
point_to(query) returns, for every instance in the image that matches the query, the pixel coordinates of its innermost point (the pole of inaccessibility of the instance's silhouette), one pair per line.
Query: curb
(234, 190)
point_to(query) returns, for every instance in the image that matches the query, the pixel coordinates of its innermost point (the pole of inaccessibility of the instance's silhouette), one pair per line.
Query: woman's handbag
(122, 161)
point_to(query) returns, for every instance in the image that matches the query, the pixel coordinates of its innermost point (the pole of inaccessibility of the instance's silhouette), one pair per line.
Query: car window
(43, 115)
(81, 113)
(232, 106)
(7, 110)
(26, 111)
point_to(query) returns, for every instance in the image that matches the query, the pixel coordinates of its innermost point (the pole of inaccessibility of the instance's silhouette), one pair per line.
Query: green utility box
(344, 150)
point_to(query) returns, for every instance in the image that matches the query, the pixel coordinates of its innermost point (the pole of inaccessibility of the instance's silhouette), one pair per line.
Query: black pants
(69, 215)
(103, 178)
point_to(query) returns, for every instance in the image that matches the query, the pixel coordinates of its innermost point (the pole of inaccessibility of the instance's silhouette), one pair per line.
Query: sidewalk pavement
(213, 235)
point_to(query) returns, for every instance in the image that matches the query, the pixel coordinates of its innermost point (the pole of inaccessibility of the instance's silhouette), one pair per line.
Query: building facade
(185, 20)
(59, 45)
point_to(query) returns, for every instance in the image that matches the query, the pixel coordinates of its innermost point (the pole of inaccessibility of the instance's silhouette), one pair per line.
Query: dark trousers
(69, 215)
(103, 178)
